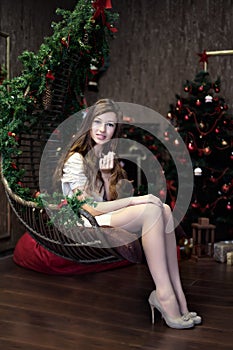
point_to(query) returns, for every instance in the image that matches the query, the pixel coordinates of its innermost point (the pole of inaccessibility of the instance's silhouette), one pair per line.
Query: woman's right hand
(147, 198)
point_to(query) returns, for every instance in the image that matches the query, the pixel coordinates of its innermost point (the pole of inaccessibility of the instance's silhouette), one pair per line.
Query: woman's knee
(169, 222)
(153, 212)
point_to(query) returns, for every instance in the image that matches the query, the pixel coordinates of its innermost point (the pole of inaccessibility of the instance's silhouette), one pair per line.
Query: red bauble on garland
(50, 75)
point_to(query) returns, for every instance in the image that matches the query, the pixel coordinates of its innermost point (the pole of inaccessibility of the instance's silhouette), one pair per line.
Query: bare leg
(172, 261)
(149, 218)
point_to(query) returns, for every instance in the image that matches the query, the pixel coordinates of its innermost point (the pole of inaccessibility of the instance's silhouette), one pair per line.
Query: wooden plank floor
(109, 310)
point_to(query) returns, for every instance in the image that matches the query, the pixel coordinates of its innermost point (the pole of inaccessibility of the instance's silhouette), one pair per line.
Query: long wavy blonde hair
(83, 144)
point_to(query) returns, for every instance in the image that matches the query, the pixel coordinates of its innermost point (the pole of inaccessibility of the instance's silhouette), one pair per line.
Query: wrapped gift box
(230, 258)
(221, 249)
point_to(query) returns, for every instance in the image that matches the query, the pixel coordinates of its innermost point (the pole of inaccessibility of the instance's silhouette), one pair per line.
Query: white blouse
(75, 178)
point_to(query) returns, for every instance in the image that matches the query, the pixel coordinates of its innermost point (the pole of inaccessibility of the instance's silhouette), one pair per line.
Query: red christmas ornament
(207, 150)
(225, 188)
(195, 204)
(13, 165)
(212, 179)
(186, 89)
(153, 148)
(201, 88)
(216, 89)
(191, 146)
(229, 207)
(63, 203)
(179, 104)
(11, 134)
(65, 42)
(186, 117)
(217, 130)
(198, 102)
(225, 107)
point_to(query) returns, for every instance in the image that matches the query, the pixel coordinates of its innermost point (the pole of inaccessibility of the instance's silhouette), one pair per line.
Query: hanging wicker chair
(84, 245)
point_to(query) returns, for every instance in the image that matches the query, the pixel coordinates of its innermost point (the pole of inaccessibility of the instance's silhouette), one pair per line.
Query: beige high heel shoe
(181, 322)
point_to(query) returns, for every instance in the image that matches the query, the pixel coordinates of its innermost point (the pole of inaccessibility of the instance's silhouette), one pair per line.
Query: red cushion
(30, 254)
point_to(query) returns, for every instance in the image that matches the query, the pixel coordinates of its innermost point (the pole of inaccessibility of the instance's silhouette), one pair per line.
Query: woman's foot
(174, 321)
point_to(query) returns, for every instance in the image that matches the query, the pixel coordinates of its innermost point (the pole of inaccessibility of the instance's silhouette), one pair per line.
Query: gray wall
(156, 48)
(28, 22)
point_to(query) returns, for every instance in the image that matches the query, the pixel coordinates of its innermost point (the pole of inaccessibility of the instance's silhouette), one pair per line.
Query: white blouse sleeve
(73, 175)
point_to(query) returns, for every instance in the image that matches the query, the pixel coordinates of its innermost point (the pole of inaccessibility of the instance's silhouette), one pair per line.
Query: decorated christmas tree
(202, 119)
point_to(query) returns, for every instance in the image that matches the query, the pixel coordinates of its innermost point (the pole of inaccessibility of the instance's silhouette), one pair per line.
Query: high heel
(193, 316)
(181, 322)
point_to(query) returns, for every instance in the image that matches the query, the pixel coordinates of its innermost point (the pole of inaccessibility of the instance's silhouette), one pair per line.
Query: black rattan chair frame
(85, 245)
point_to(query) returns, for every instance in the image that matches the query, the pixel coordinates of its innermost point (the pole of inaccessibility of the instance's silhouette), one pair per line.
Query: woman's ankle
(169, 303)
(182, 303)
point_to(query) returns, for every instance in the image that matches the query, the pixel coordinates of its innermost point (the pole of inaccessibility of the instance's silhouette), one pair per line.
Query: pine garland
(83, 33)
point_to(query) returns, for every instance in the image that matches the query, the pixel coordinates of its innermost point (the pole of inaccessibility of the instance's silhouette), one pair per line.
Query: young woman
(91, 166)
